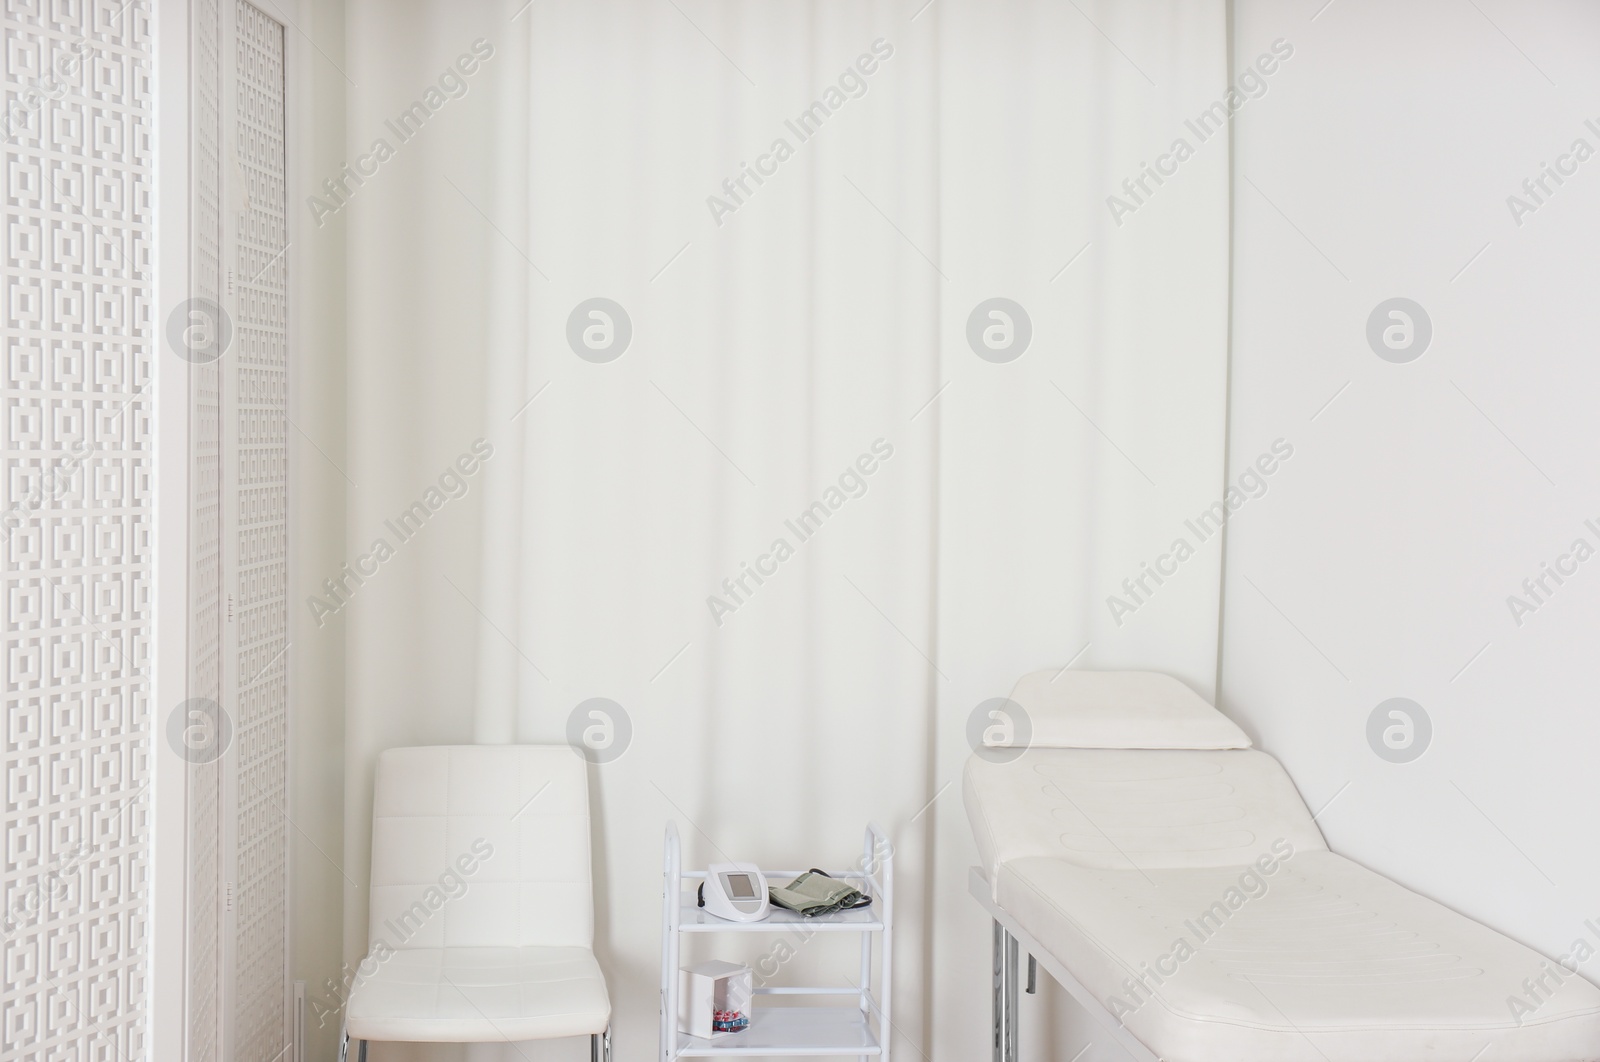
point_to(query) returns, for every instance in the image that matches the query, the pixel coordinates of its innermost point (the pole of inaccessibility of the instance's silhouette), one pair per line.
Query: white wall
(1379, 563)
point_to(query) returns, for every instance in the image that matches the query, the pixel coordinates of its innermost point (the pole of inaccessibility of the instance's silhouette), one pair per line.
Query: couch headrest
(1120, 710)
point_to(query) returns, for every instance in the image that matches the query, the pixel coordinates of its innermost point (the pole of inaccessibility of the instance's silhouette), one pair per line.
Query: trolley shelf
(692, 918)
(791, 1031)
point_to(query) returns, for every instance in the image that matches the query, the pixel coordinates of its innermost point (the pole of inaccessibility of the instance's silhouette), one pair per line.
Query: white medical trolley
(839, 1020)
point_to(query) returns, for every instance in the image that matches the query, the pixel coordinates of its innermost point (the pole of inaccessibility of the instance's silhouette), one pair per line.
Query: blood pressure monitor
(735, 891)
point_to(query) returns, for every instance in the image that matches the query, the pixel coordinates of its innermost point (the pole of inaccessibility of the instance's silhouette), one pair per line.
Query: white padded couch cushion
(1124, 808)
(1325, 961)
(1120, 710)
(473, 995)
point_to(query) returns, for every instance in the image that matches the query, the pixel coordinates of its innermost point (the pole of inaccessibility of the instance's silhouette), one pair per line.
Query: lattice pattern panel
(75, 527)
(258, 459)
(205, 793)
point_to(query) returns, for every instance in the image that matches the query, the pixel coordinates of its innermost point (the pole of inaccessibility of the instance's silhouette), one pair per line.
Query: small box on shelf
(714, 999)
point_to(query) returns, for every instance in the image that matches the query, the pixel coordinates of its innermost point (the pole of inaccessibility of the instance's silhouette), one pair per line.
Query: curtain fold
(765, 559)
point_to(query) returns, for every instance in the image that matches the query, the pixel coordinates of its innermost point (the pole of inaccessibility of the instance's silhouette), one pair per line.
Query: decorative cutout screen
(77, 506)
(238, 1000)
(255, 494)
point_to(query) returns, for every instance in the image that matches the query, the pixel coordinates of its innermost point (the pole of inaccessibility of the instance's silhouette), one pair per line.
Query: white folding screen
(77, 506)
(237, 995)
(255, 501)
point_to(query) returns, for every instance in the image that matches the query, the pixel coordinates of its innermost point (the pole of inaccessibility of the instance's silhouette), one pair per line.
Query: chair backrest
(481, 846)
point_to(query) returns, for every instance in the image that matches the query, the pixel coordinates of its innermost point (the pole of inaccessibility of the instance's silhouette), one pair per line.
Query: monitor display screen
(740, 886)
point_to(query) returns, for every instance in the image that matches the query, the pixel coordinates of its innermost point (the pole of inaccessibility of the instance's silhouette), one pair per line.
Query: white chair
(482, 907)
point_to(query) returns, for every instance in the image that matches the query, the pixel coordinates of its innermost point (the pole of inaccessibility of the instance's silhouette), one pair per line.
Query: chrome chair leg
(361, 1056)
(600, 1046)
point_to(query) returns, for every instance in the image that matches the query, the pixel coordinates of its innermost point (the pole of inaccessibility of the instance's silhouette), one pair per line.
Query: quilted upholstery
(481, 907)
(473, 995)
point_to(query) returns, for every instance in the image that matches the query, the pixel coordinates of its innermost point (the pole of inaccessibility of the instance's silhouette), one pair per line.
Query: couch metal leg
(997, 1007)
(1005, 995)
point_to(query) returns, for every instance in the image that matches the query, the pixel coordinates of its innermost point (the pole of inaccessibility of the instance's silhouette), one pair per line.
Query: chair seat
(474, 995)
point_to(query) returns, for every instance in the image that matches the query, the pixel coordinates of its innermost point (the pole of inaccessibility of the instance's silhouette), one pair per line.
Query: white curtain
(798, 371)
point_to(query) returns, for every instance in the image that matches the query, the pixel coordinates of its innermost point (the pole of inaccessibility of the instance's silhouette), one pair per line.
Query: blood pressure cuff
(815, 893)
